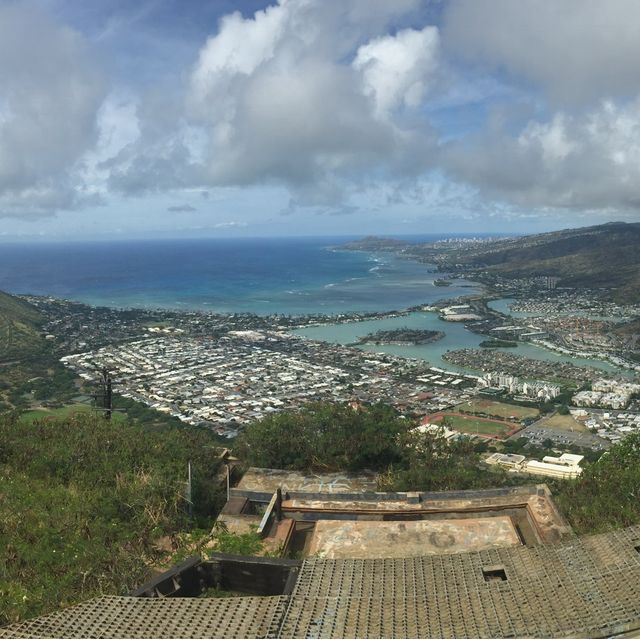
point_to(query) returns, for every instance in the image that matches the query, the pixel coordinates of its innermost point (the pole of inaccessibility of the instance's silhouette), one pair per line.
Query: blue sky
(186, 118)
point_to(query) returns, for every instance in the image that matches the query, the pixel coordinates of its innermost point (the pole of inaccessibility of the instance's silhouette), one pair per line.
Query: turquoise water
(456, 338)
(502, 306)
(265, 276)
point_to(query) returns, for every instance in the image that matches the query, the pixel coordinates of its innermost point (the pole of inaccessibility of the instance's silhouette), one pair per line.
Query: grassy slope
(629, 328)
(29, 366)
(562, 422)
(66, 412)
(20, 335)
(84, 501)
(472, 425)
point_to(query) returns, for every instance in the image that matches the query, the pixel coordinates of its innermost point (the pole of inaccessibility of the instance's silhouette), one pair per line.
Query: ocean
(264, 276)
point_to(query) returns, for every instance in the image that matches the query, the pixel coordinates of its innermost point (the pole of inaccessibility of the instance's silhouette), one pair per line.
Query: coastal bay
(287, 276)
(292, 276)
(456, 337)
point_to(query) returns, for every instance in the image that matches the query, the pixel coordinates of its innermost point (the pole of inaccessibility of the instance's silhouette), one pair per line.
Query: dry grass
(562, 422)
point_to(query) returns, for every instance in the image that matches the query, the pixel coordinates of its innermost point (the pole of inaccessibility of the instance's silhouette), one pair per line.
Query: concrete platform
(267, 480)
(334, 539)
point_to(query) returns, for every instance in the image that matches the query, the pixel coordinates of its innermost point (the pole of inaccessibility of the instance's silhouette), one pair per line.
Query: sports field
(475, 425)
(499, 409)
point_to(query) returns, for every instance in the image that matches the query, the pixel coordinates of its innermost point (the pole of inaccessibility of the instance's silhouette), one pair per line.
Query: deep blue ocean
(289, 275)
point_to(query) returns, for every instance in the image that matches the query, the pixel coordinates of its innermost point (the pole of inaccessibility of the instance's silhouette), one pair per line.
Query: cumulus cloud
(326, 100)
(49, 97)
(575, 50)
(308, 94)
(303, 92)
(397, 69)
(588, 161)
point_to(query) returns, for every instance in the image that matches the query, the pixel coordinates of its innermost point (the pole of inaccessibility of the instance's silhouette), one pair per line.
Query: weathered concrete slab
(267, 480)
(397, 539)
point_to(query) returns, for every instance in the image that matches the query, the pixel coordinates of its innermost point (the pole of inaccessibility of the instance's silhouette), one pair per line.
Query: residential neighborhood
(229, 381)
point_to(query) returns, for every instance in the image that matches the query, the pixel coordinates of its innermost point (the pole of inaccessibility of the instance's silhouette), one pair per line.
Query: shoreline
(478, 299)
(307, 319)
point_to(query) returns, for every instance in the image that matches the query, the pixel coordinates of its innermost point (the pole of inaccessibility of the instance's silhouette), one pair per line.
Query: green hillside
(593, 257)
(20, 334)
(88, 507)
(604, 256)
(29, 368)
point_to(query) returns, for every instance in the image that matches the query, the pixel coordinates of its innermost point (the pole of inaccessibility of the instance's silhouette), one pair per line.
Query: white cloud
(397, 69)
(550, 139)
(237, 51)
(575, 50)
(280, 97)
(118, 127)
(230, 225)
(49, 96)
(588, 161)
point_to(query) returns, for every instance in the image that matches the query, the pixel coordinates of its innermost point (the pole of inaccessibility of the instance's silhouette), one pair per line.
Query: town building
(566, 466)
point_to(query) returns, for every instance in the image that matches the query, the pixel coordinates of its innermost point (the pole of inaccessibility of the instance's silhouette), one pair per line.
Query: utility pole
(189, 499)
(104, 399)
(108, 393)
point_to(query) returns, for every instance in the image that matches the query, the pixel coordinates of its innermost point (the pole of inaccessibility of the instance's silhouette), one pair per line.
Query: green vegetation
(202, 541)
(64, 412)
(333, 437)
(607, 495)
(29, 368)
(19, 328)
(591, 257)
(34, 382)
(249, 543)
(143, 414)
(325, 436)
(497, 343)
(430, 462)
(87, 506)
(401, 336)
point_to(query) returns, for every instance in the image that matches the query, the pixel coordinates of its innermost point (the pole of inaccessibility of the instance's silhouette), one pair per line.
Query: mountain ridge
(602, 256)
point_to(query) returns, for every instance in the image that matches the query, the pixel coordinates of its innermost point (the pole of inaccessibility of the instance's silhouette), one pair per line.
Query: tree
(323, 436)
(431, 462)
(607, 494)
